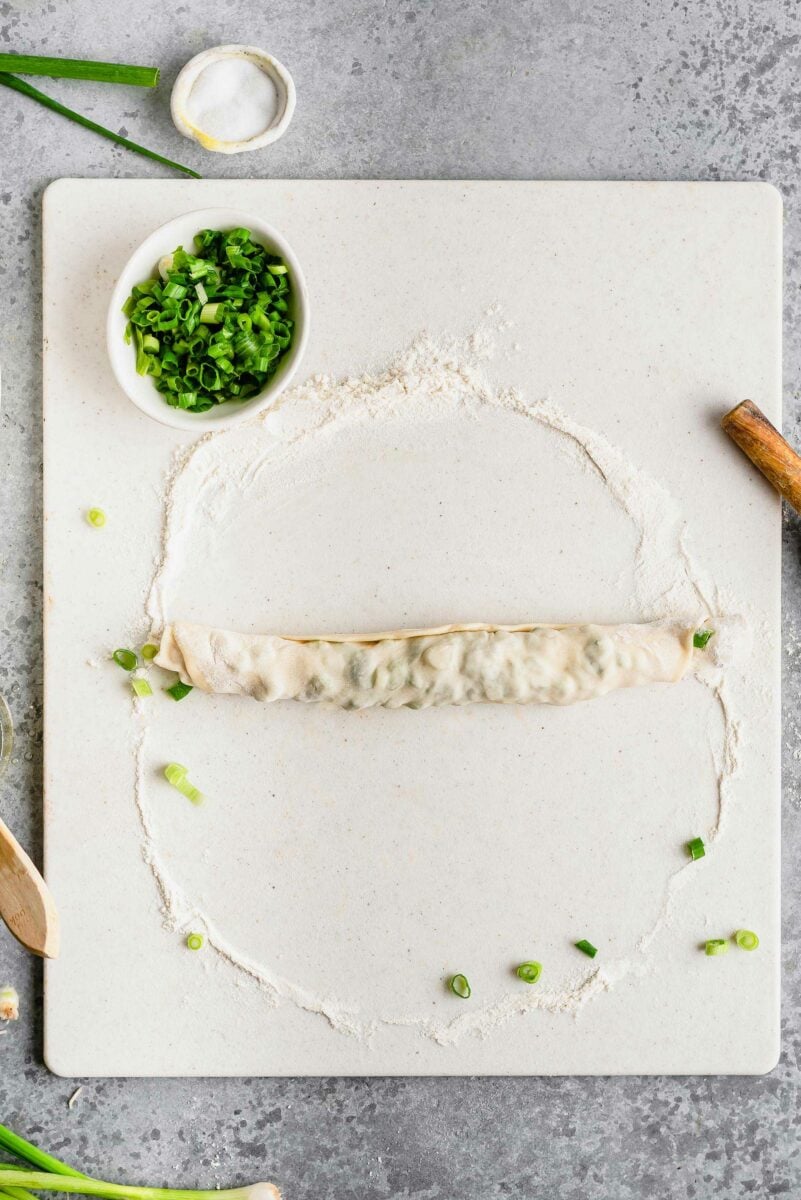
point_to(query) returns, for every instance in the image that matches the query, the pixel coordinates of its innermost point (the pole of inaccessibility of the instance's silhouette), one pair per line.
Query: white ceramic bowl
(276, 72)
(142, 265)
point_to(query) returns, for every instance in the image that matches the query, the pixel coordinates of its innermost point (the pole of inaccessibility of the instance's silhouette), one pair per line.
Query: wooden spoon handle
(26, 904)
(767, 449)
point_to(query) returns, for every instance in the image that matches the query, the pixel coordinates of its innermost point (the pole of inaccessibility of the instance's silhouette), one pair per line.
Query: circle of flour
(364, 860)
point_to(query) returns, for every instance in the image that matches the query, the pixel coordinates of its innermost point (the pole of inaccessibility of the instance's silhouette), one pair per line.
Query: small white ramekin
(142, 264)
(284, 86)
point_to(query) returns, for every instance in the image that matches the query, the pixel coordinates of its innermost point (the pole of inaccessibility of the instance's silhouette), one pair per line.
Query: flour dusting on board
(433, 376)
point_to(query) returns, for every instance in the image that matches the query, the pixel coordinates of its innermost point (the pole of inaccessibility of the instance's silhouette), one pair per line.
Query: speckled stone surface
(454, 88)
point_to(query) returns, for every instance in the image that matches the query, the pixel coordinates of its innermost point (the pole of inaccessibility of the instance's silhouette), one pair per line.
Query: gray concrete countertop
(638, 89)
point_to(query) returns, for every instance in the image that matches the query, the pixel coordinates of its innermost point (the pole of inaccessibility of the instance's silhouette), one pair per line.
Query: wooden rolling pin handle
(767, 449)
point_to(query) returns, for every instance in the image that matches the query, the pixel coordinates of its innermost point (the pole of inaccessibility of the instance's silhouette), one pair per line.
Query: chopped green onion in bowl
(215, 325)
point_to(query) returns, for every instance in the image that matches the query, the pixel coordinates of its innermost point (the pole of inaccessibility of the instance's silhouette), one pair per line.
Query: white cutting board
(365, 856)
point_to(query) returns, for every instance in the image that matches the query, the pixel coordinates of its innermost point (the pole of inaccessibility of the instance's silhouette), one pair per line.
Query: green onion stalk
(79, 68)
(45, 1182)
(26, 89)
(53, 1175)
(16, 1193)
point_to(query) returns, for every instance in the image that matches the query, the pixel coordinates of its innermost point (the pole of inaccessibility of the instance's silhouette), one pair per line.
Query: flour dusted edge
(432, 375)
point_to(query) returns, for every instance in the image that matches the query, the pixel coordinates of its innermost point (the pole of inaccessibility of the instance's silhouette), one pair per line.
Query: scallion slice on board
(701, 637)
(716, 946)
(141, 687)
(586, 947)
(79, 68)
(696, 848)
(96, 518)
(176, 775)
(25, 89)
(529, 972)
(179, 690)
(460, 987)
(149, 651)
(746, 939)
(195, 941)
(125, 659)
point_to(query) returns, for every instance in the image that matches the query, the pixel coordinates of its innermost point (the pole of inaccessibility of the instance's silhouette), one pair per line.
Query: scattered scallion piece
(179, 690)
(195, 941)
(79, 68)
(716, 946)
(213, 325)
(175, 772)
(176, 775)
(96, 518)
(696, 848)
(586, 947)
(126, 659)
(149, 651)
(701, 637)
(460, 987)
(141, 687)
(746, 939)
(25, 89)
(529, 972)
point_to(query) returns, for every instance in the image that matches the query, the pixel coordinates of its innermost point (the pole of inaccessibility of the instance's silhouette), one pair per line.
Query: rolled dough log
(420, 668)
